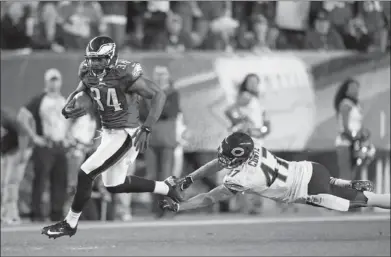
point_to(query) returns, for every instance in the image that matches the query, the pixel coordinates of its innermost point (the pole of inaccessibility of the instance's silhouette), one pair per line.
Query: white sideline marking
(83, 248)
(180, 223)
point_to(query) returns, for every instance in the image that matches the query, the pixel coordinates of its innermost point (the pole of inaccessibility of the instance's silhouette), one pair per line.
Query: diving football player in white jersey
(253, 169)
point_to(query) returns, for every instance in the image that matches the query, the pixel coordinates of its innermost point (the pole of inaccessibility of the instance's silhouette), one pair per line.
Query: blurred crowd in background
(177, 26)
(163, 26)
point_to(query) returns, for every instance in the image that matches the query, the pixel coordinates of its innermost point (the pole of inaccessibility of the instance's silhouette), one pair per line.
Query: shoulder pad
(235, 188)
(131, 69)
(83, 69)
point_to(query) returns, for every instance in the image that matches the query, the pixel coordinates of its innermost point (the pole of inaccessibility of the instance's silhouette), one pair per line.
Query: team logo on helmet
(237, 152)
(101, 47)
(235, 149)
(104, 50)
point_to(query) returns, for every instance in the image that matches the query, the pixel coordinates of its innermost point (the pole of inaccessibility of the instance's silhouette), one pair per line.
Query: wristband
(146, 129)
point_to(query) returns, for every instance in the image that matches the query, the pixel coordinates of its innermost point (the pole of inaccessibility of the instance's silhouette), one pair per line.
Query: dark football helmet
(101, 54)
(235, 149)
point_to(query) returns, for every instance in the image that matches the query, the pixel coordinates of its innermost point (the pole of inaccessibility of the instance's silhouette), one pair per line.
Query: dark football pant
(320, 184)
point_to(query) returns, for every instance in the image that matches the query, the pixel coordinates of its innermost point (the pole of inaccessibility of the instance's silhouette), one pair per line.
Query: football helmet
(101, 54)
(235, 149)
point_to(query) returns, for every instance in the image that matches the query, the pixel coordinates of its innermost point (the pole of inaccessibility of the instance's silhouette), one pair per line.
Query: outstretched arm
(210, 168)
(217, 194)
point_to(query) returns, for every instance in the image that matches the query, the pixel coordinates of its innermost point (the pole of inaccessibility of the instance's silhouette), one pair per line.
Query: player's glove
(69, 110)
(185, 182)
(169, 205)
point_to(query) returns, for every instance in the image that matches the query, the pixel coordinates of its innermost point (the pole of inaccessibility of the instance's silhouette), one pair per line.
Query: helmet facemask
(230, 162)
(235, 150)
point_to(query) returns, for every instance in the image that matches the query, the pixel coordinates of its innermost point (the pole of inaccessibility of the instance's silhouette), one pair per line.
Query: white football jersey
(269, 176)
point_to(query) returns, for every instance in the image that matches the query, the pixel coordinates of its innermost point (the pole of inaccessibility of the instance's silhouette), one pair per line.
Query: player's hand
(169, 205)
(69, 110)
(185, 182)
(141, 138)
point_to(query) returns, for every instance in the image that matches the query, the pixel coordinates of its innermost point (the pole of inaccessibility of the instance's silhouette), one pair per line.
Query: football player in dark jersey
(115, 85)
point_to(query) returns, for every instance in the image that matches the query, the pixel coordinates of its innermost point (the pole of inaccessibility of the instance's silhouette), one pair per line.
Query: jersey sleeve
(133, 72)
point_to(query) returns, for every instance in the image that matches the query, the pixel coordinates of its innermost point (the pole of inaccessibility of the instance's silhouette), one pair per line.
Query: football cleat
(59, 229)
(362, 185)
(174, 192)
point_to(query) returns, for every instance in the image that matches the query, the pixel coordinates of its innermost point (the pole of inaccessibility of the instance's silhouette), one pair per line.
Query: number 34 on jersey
(107, 97)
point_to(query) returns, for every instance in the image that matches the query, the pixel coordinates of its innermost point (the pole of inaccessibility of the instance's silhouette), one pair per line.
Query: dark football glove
(169, 205)
(69, 110)
(185, 182)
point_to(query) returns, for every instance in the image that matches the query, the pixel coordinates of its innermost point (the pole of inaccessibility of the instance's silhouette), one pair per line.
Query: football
(83, 100)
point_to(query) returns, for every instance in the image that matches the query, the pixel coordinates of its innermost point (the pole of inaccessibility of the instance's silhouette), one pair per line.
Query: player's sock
(83, 191)
(72, 218)
(329, 201)
(378, 200)
(134, 184)
(161, 188)
(340, 182)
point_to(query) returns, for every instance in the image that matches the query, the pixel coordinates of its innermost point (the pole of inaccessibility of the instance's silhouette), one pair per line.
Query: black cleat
(362, 185)
(59, 229)
(175, 192)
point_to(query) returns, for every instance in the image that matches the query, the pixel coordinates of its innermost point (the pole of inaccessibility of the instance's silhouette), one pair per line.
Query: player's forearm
(217, 194)
(79, 89)
(205, 170)
(198, 201)
(157, 105)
